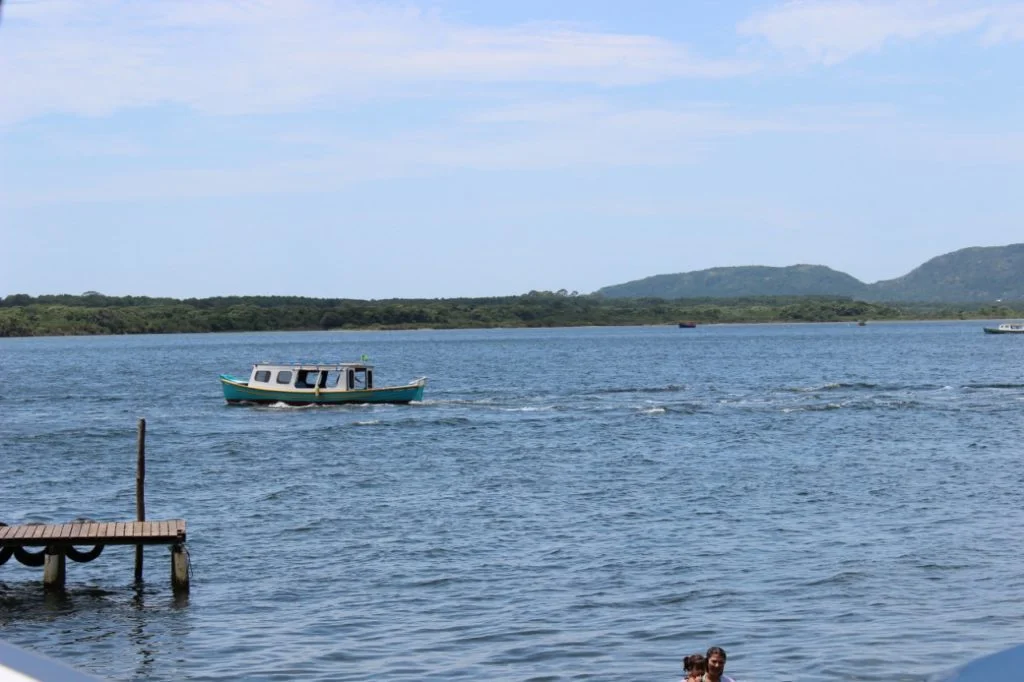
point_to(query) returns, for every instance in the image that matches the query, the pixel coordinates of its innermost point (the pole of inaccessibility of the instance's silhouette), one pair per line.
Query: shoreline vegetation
(93, 313)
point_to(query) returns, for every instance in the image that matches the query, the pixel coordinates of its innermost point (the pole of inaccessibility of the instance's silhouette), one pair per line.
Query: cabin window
(351, 379)
(284, 377)
(307, 378)
(262, 376)
(330, 379)
(369, 378)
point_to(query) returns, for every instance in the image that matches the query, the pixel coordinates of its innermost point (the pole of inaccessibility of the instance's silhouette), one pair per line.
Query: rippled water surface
(826, 502)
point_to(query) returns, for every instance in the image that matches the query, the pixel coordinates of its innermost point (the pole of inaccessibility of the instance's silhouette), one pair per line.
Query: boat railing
(311, 363)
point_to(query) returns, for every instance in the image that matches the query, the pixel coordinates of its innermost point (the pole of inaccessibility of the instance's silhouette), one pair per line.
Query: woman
(716, 666)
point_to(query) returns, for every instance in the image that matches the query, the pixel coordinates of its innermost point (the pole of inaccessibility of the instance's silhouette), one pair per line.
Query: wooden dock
(94, 533)
(59, 542)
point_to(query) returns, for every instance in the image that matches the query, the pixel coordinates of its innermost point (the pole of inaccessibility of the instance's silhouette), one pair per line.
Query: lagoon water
(826, 502)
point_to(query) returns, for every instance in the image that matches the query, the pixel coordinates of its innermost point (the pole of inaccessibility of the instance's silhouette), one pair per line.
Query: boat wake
(671, 388)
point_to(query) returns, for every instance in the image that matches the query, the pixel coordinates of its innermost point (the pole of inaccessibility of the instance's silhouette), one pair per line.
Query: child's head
(695, 665)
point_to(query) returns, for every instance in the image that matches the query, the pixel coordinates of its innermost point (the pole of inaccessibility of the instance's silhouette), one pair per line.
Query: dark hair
(717, 650)
(695, 663)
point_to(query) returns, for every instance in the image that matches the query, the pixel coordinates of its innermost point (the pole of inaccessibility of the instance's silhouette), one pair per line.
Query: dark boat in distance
(687, 325)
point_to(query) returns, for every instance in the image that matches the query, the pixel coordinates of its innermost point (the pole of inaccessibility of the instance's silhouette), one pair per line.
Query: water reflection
(139, 625)
(138, 635)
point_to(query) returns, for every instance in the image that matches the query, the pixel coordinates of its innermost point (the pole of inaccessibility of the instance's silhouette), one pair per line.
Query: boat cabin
(346, 376)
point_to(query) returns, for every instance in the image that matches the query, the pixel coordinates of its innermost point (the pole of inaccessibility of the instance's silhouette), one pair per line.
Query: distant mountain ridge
(973, 275)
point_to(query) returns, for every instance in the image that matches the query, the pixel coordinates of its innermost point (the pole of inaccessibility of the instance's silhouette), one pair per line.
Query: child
(694, 665)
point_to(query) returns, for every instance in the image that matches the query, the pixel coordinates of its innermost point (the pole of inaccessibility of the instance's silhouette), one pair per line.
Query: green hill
(971, 275)
(977, 274)
(753, 280)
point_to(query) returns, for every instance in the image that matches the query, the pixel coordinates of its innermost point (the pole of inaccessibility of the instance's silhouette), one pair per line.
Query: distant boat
(316, 384)
(687, 325)
(862, 323)
(1006, 328)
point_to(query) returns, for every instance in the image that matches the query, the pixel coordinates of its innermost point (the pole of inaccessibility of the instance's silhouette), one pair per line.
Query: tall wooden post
(140, 494)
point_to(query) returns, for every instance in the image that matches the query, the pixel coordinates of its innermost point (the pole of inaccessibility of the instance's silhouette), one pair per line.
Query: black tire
(83, 557)
(28, 558)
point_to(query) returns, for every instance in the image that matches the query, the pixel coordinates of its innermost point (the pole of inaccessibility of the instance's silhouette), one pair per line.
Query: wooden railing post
(140, 494)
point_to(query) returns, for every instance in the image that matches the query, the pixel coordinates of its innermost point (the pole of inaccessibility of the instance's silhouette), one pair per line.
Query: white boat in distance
(1006, 328)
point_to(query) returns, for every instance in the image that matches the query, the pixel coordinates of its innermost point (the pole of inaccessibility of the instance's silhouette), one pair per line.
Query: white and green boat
(316, 384)
(1006, 328)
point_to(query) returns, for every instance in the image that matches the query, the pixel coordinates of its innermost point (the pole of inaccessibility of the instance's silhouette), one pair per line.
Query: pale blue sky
(474, 148)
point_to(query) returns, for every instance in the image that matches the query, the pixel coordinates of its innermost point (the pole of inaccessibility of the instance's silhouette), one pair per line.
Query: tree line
(93, 313)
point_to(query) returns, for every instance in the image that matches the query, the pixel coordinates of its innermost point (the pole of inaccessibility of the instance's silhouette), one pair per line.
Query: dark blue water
(826, 502)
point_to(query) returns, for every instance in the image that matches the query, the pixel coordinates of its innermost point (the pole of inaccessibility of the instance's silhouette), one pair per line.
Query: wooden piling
(54, 569)
(179, 568)
(140, 494)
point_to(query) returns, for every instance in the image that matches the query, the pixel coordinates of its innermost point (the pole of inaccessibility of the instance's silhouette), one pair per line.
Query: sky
(458, 148)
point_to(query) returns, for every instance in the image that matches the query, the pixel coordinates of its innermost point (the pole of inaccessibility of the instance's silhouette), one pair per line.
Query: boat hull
(238, 392)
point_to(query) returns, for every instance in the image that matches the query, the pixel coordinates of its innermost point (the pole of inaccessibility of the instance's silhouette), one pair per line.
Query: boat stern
(420, 384)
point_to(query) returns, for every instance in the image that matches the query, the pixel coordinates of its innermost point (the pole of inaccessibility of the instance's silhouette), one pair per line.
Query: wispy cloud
(259, 56)
(274, 55)
(832, 31)
(1008, 26)
(543, 135)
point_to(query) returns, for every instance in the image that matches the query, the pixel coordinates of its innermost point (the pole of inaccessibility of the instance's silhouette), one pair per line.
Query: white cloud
(832, 31)
(246, 56)
(1007, 27)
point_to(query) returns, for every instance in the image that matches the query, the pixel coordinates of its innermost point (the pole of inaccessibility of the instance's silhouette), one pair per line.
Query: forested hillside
(975, 274)
(754, 280)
